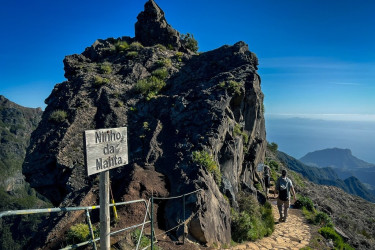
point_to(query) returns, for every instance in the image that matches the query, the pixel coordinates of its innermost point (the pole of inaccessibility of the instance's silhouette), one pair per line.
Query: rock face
(174, 104)
(16, 125)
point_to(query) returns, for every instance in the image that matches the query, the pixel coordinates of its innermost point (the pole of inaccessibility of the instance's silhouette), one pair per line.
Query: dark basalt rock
(212, 102)
(152, 28)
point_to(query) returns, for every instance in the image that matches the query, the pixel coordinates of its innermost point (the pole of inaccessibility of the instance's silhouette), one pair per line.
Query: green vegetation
(100, 81)
(273, 147)
(179, 56)
(160, 73)
(330, 233)
(150, 86)
(145, 241)
(119, 103)
(170, 47)
(79, 233)
(132, 54)
(322, 219)
(205, 160)
(105, 68)
(164, 62)
(136, 46)
(253, 221)
(58, 116)
(233, 86)
(190, 42)
(161, 47)
(237, 131)
(307, 203)
(121, 46)
(298, 179)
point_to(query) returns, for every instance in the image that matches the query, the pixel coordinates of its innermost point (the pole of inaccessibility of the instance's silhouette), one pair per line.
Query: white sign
(106, 149)
(260, 167)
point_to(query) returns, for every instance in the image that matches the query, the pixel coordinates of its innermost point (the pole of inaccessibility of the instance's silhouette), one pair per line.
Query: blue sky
(317, 57)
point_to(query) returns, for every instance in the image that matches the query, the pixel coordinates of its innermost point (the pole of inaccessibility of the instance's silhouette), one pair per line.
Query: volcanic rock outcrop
(176, 104)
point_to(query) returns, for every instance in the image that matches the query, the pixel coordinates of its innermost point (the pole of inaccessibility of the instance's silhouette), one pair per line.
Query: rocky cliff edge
(176, 104)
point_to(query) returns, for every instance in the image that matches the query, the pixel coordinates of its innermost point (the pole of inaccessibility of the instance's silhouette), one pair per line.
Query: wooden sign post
(105, 149)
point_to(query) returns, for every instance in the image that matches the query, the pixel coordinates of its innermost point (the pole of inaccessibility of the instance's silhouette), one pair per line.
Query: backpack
(283, 193)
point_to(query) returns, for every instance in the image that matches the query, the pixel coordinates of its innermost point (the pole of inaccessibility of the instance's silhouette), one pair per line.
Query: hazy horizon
(298, 136)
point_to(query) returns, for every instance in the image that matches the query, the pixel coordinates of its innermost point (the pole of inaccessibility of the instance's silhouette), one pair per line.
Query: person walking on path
(266, 177)
(283, 187)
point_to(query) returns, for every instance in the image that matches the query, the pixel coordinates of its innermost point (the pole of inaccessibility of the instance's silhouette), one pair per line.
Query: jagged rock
(211, 102)
(152, 28)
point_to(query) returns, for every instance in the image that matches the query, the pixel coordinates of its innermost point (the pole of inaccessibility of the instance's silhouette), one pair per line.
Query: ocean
(299, 136)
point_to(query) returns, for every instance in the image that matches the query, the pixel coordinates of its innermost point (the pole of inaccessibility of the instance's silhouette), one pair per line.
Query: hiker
(283, 187)
(266, 177)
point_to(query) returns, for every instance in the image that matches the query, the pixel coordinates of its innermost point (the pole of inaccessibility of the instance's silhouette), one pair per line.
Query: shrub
(164, 62)
(160, 73)
(136, 46)
(170, 47)
(78, 233)
(58, 116)
(132, 54)
(179, 56)
(233, 86)
(237, 131)
(105, 68)
(119, 103)
(205, 160)
(161, 47)
(144, 243)
(274, 165)
(253, 221)
(330, 233)
(150, 86)
(322, 218)
(100, 81)
(121, 46)
(190, 42)
(307, 203)
(273, 147)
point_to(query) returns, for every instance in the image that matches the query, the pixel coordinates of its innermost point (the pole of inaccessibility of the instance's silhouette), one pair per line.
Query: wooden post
(104, 211)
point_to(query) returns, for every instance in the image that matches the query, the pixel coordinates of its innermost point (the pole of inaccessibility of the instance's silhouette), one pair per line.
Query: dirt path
(292, 234)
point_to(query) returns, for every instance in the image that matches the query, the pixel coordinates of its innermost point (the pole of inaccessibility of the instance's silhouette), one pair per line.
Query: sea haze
(299, 136)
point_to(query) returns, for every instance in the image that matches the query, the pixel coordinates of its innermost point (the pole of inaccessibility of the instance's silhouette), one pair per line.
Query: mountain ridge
(327, 176)
(344, 164)
(336, 158)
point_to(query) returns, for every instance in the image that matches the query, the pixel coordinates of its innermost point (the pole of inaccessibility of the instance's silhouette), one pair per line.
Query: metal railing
(178, 225)
(88, 218)
(87, 209)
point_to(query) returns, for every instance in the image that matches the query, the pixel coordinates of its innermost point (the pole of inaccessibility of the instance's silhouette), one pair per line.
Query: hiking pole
(113, 202)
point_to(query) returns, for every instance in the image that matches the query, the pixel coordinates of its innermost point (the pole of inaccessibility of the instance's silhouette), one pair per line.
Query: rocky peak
(175, 104)
(152, 28)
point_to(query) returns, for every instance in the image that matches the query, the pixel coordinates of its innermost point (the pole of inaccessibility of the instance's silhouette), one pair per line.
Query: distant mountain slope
(335, 157)
(345, 164)
(16, 125)
(327, 176)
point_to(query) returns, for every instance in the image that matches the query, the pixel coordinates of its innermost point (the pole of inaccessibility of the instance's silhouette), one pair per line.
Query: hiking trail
(292, 234)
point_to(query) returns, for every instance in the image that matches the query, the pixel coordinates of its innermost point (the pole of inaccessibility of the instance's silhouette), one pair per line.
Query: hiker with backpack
(267, 177)
(283, 187)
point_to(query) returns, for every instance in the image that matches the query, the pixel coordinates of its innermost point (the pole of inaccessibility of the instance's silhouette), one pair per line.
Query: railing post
(152, 221)
(183, 219)
(90, 227)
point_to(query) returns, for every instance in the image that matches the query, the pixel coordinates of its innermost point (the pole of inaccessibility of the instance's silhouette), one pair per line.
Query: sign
(105, 149)
(260, 167)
